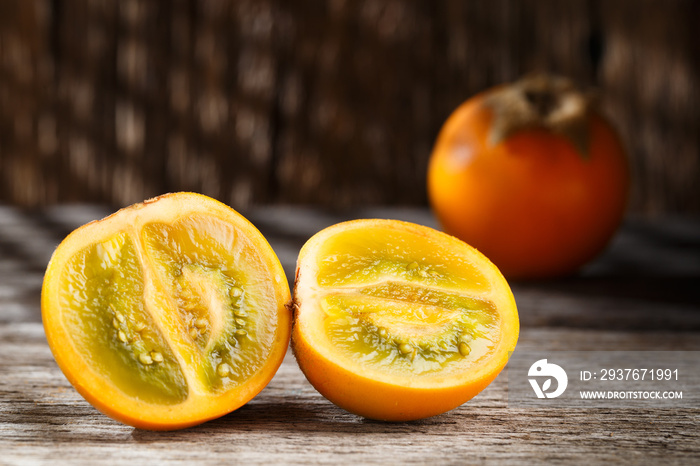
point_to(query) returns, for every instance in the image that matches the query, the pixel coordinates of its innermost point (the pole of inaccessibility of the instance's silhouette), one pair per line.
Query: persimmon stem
(541, 101)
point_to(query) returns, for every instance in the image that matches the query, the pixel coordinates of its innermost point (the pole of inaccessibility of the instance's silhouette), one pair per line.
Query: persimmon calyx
(542, 101)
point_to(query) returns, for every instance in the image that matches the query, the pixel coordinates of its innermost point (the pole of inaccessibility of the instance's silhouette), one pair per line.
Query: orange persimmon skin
(532, 204)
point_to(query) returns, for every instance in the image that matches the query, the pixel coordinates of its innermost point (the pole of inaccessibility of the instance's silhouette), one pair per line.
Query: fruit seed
(223, 370)
(200, 323)
(146, 359)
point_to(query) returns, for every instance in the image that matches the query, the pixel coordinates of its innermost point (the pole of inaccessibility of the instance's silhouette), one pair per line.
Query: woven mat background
(333, 103)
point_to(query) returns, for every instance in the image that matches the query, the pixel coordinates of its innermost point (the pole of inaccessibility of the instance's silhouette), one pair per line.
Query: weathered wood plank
(641, 294)
(41, 417)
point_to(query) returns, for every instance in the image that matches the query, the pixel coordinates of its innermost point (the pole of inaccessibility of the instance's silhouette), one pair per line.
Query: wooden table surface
(642, 294)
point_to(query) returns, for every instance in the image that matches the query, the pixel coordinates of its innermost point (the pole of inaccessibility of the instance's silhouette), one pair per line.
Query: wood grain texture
(628, 299)
(42, 418)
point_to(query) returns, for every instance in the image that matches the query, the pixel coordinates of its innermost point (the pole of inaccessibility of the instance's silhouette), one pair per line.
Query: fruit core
(170, 309)
(392, 300)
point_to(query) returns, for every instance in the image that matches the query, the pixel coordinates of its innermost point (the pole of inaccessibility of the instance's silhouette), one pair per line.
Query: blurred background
(329, 103)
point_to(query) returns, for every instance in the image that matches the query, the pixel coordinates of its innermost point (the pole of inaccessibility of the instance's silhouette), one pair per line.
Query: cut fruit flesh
(168, 313)
(402, 312)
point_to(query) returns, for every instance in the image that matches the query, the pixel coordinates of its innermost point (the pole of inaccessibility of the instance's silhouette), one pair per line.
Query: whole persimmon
(532, 175)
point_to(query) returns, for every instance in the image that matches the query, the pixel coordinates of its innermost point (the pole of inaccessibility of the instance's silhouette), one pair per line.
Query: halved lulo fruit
(167, 313)
(396, 321)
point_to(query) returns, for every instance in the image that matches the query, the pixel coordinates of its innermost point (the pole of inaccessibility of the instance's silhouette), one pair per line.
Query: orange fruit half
(167, 313)
(396, 321)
